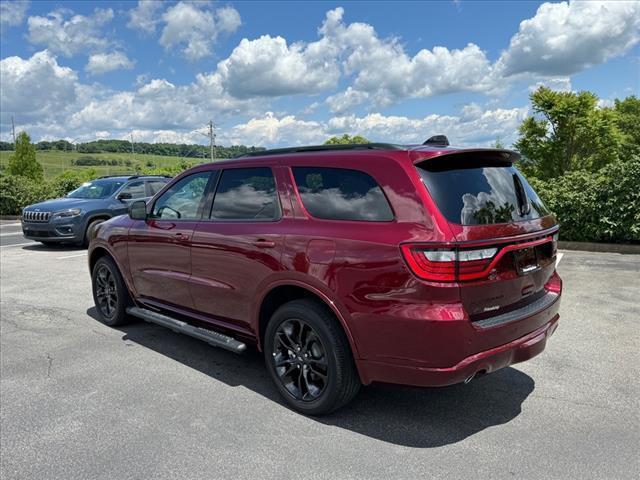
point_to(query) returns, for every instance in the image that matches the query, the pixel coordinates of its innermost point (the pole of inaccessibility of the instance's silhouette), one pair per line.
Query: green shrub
(17, 191)
(603, 206)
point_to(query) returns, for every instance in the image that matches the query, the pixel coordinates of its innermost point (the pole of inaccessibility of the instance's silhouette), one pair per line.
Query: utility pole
(212, 141)
(132, 150)
(13, 129)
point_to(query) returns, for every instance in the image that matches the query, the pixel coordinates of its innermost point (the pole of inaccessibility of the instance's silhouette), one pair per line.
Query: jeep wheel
(110, 293)
(309, 359)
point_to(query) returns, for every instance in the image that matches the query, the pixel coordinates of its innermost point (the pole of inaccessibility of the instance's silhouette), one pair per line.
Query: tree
(23, 161)
(347, 140)
(568, 132)
(628, 120)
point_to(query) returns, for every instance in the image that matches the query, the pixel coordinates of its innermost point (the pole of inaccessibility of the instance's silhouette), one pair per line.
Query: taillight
(448, 265)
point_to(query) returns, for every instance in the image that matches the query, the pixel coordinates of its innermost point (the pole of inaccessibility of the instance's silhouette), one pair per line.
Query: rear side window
(474, 191)
(246, 194)
(155, 186)
(341, 194)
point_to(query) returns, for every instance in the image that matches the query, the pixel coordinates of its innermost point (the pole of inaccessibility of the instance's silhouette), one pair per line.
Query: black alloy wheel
(300, 360)
(110, 293)
(309, 358)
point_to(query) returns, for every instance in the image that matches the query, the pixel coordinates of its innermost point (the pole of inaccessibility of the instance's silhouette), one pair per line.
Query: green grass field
(55, 162)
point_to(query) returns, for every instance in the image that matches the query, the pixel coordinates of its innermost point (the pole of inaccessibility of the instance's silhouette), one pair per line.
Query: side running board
(215, 339)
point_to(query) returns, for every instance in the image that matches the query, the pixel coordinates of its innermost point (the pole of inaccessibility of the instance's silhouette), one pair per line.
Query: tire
(324, 352)
(87, 233)
(111, 304)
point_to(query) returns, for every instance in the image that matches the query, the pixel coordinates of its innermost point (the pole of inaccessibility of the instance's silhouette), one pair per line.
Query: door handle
(183, 237)
(264, 244)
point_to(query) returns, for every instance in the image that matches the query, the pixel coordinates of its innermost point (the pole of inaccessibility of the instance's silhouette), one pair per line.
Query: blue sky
(280, 73)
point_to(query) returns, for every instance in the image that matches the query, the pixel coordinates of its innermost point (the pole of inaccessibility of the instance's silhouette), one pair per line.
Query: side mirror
(124, 196)
(138, 210)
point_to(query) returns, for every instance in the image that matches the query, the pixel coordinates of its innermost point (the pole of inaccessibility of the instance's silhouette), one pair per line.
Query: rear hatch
(505, 247)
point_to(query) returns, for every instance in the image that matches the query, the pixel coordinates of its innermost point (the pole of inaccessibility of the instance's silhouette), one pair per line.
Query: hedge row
(596, 207)
(17, 192)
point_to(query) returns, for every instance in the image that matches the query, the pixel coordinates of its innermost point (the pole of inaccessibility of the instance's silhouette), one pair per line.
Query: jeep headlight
(72, 212)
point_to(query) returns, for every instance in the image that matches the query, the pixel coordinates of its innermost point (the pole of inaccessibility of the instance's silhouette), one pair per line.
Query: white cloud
(195, 28)
(13, 13)
(78, 34)
(475, 126)
(270, 130)
(101, 63)
(37, 87)
(269, 67)
(565, 38)
(145, 16)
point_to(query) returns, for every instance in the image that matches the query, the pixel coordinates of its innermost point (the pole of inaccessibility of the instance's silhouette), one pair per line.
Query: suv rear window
(341, 194)
(473, 190)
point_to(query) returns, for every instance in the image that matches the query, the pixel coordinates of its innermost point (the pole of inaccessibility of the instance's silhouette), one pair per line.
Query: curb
(600, 247)
(9, 217)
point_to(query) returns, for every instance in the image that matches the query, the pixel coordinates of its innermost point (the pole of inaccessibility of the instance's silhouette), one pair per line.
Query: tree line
(125, 146)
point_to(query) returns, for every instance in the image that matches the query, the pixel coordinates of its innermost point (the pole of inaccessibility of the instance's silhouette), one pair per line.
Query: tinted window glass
(156, 185)
(246, 194)
(134, 189)
(341, 194)
(472, 192)
(182, 201)
(96, 189)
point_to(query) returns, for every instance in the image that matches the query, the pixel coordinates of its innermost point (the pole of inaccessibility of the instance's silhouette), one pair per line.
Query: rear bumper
(519, 350)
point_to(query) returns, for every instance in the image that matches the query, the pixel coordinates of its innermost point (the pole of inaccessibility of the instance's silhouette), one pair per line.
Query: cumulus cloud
(23, 86)
(269, 67)
(101, 63)
(565, 38)
(474, 126)
(12, 13)
(194, 28)
(145, 16)
(77, 34)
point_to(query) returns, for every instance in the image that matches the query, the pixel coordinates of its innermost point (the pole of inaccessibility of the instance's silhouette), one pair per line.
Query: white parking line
(17, 244)
(9, 224)
(558, 258)
(12, 234)
(72, 256)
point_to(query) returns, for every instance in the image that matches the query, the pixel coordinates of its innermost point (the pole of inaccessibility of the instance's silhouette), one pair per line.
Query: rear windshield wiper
(524, 207)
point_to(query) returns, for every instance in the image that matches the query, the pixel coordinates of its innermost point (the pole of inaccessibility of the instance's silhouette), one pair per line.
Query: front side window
(341, 194)
(246, 194)
(183, 200)
(134, 191)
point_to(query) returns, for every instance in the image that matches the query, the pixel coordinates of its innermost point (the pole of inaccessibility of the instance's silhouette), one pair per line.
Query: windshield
(96, 189)
(477, 192)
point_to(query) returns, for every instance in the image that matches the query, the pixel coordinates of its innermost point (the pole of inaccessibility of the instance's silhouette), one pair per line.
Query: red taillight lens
(448, 265)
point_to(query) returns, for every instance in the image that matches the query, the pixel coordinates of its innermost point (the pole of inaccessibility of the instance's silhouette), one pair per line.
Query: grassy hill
(55, 162)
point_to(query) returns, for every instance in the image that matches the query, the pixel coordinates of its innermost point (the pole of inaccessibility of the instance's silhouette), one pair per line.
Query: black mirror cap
(138, 210)
(124, 196)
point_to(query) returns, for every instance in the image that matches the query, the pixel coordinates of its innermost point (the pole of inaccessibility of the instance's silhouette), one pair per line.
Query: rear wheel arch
(282, 293)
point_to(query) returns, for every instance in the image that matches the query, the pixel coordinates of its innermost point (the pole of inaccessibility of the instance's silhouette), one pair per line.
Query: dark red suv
(346, 265)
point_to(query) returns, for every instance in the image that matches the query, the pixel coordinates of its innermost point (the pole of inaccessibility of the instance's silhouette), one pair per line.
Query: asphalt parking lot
(80, 400)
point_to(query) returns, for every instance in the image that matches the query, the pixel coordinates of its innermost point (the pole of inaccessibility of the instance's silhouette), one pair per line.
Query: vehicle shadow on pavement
(55, 247)
(406, 416)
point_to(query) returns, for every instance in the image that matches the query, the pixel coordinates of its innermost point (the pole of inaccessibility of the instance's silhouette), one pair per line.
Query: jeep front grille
(36, 217)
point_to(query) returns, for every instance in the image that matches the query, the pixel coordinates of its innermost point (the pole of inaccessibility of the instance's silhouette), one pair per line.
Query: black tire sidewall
(330, 397)
(120, 317)
(87, 233)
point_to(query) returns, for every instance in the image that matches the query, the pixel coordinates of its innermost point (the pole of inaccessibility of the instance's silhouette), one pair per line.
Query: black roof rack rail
(324, 148)
(132, 176)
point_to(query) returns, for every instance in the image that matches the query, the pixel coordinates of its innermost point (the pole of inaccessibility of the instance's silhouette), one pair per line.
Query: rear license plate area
(526, 260)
